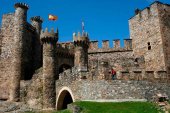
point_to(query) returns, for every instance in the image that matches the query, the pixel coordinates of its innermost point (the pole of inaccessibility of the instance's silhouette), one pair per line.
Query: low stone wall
(32, 90)
(152, 76)
(113, 89)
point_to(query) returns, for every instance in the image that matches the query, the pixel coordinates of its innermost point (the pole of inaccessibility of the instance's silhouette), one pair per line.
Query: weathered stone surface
(11, 107)
(114, 90)
(74, 108)
(149, 36)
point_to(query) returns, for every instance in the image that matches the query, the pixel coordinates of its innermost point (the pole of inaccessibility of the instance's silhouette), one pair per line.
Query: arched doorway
(64, 67)
(64, 98)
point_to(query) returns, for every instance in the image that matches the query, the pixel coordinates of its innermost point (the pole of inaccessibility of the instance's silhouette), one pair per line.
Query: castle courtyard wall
(119, 60)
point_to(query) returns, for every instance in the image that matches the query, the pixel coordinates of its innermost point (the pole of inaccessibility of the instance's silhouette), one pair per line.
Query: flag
(52, 17)
(82, 26)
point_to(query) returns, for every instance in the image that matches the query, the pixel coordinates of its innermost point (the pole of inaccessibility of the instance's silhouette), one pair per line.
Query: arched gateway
(64, 98)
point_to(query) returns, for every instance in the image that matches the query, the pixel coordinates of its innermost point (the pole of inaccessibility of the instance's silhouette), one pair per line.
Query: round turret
(81, 43)
(49, 37)
(49, 40)
(20, 21)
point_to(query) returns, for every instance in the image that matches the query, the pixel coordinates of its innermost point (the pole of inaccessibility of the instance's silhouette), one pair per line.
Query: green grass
(123, 107)
(109, 107)
(63, 111)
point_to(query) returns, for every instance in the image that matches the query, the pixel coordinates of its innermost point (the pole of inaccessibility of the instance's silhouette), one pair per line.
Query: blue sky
(104, 19)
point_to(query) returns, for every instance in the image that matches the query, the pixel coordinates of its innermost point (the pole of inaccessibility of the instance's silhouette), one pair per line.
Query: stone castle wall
(164, 15)
(108, 90)
(0, 41)
(145, 32)
(28, 53)
(120, 58)
(8, 49)
(7, 31)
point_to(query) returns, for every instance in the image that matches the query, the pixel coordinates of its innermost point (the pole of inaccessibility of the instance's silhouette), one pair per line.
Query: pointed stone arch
(64, 97)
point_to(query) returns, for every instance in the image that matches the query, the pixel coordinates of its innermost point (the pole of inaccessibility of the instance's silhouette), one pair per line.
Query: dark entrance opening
(64, 67)
(64, 99)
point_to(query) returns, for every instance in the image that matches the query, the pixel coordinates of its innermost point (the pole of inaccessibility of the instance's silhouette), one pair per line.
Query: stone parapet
(48, 37)
(109, 50)
(152, 76)
(78, 37)
(37, 18)
(93, 46)
(64, 51)
(147, 12)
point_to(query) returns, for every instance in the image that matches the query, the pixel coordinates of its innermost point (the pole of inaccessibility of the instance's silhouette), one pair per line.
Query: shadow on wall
(64, 67)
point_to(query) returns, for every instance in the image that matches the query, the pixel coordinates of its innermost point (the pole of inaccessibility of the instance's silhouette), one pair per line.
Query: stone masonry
(43, 74)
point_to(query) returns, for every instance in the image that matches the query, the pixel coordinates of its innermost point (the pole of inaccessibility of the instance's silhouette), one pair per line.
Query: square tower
(150, 34)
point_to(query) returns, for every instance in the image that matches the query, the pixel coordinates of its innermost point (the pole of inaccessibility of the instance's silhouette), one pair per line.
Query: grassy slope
(123, 107)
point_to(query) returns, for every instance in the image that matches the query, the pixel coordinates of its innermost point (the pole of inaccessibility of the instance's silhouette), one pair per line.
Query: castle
(45, 74)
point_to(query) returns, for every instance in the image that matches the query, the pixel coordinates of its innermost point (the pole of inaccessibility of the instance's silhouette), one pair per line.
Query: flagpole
(82, 23)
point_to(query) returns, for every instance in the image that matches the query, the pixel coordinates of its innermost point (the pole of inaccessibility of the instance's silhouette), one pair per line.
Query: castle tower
(37, 23)
(49, 40)
(37, 48)
(81, 44)
(19, 29)
(150, 32)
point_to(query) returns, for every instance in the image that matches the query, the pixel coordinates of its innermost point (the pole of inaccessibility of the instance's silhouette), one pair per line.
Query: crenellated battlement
(22, 5)
(80, 37)
(65, 50)
(48, 37)
(69, 45)
(152, 76)
(106, 46)
(147, 12)
(37, 18)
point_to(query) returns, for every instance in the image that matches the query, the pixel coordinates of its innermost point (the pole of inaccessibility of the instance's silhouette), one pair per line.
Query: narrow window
(149, 46)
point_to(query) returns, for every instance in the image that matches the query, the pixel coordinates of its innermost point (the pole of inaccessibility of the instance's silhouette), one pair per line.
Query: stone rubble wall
(113, 90)
(151, 76)
(32, 91)
(145, 31)
(164, 15)
(119, 60)
(0, 40)
(6, 54)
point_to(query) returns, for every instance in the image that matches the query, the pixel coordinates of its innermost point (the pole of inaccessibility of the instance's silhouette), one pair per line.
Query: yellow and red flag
(52, 17)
